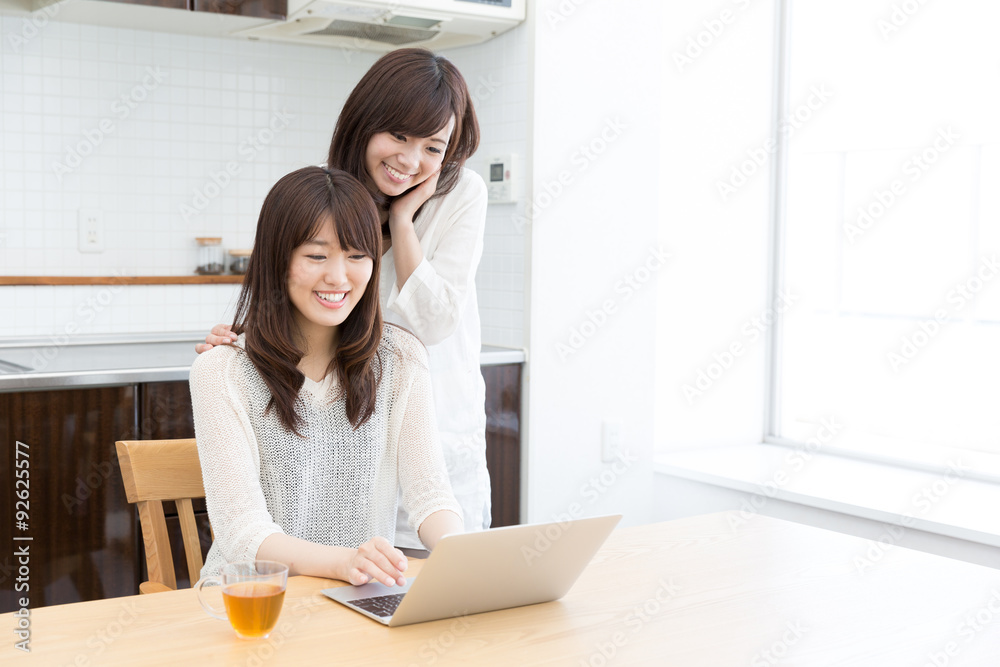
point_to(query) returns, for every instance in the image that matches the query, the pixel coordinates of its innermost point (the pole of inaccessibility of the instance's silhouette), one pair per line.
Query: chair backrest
(158, 470)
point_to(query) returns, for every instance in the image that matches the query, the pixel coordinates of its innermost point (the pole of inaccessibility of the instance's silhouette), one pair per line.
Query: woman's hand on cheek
(379, 560)
(404, 208)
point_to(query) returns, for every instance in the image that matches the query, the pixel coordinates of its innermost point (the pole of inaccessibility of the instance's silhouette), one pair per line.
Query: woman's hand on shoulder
(221, 334)
(377, 559)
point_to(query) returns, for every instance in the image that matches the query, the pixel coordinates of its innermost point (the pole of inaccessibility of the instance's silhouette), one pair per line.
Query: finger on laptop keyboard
(376, 558)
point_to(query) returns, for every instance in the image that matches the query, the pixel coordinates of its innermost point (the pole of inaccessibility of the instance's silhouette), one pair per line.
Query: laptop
(494, 569)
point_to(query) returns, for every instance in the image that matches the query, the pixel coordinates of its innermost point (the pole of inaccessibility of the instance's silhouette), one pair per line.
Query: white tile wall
(498, 75)
(143, 126)
(175, 136)
(54, 312)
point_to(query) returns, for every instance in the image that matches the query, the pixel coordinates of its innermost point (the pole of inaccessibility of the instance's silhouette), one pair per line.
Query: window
(890, 229)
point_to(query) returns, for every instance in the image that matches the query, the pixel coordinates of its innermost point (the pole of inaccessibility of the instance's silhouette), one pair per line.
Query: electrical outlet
(90, 230)
(611, 440)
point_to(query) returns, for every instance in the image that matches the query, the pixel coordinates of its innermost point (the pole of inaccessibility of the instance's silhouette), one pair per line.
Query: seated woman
(307, 427)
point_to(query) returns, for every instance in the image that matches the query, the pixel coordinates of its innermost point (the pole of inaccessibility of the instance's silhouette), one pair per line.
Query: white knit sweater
(335, 485)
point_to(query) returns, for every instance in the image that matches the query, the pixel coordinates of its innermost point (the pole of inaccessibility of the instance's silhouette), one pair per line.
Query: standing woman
(406, 131)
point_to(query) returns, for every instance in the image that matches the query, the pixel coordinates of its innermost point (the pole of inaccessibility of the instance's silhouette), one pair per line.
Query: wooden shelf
(121, 280)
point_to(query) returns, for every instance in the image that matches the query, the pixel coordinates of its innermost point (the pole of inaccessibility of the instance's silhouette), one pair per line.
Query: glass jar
(238, 261)
(211, 260)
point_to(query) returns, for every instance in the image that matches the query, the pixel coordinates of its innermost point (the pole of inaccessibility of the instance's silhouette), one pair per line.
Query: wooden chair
(154, 471)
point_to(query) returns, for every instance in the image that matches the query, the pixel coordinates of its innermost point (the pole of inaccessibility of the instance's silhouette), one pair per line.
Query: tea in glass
(253, 592)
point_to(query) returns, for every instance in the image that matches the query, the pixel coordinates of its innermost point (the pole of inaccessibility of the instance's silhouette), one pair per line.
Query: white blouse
(438, 303)
(334, 485)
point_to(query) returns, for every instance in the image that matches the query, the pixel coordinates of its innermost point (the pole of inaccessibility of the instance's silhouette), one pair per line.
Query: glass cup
(253, 592)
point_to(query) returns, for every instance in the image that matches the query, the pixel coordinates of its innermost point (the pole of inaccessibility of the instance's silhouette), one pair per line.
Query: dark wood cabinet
(503, 441)
(169, 4)
(84, 537)
(165, 411)
(86, 540)
(265, 9)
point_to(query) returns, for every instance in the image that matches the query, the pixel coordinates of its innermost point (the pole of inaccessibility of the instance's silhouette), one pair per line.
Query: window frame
(985, 466)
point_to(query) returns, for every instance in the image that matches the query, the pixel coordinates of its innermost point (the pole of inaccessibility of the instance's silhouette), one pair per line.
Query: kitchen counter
(107, 360)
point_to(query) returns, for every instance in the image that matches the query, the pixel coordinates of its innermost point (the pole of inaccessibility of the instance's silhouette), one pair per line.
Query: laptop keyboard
(382, 606)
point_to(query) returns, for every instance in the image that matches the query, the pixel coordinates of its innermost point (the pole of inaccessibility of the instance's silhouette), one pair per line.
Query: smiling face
(326, 282)
(397, 162)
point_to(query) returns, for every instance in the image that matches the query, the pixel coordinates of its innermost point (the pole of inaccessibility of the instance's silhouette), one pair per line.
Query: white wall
(683, 127)
(595, 177)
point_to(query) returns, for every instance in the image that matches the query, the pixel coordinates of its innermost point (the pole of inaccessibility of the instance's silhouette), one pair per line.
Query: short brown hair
(413, 92)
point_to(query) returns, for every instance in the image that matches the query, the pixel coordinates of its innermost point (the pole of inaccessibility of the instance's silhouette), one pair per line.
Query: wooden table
(715, 590)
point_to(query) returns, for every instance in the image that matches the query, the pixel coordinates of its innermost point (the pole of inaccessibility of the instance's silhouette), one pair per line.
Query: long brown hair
(292, 213)
(413, 92)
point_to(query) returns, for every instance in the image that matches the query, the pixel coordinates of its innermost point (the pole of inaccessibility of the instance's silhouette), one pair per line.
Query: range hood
(384, 26)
